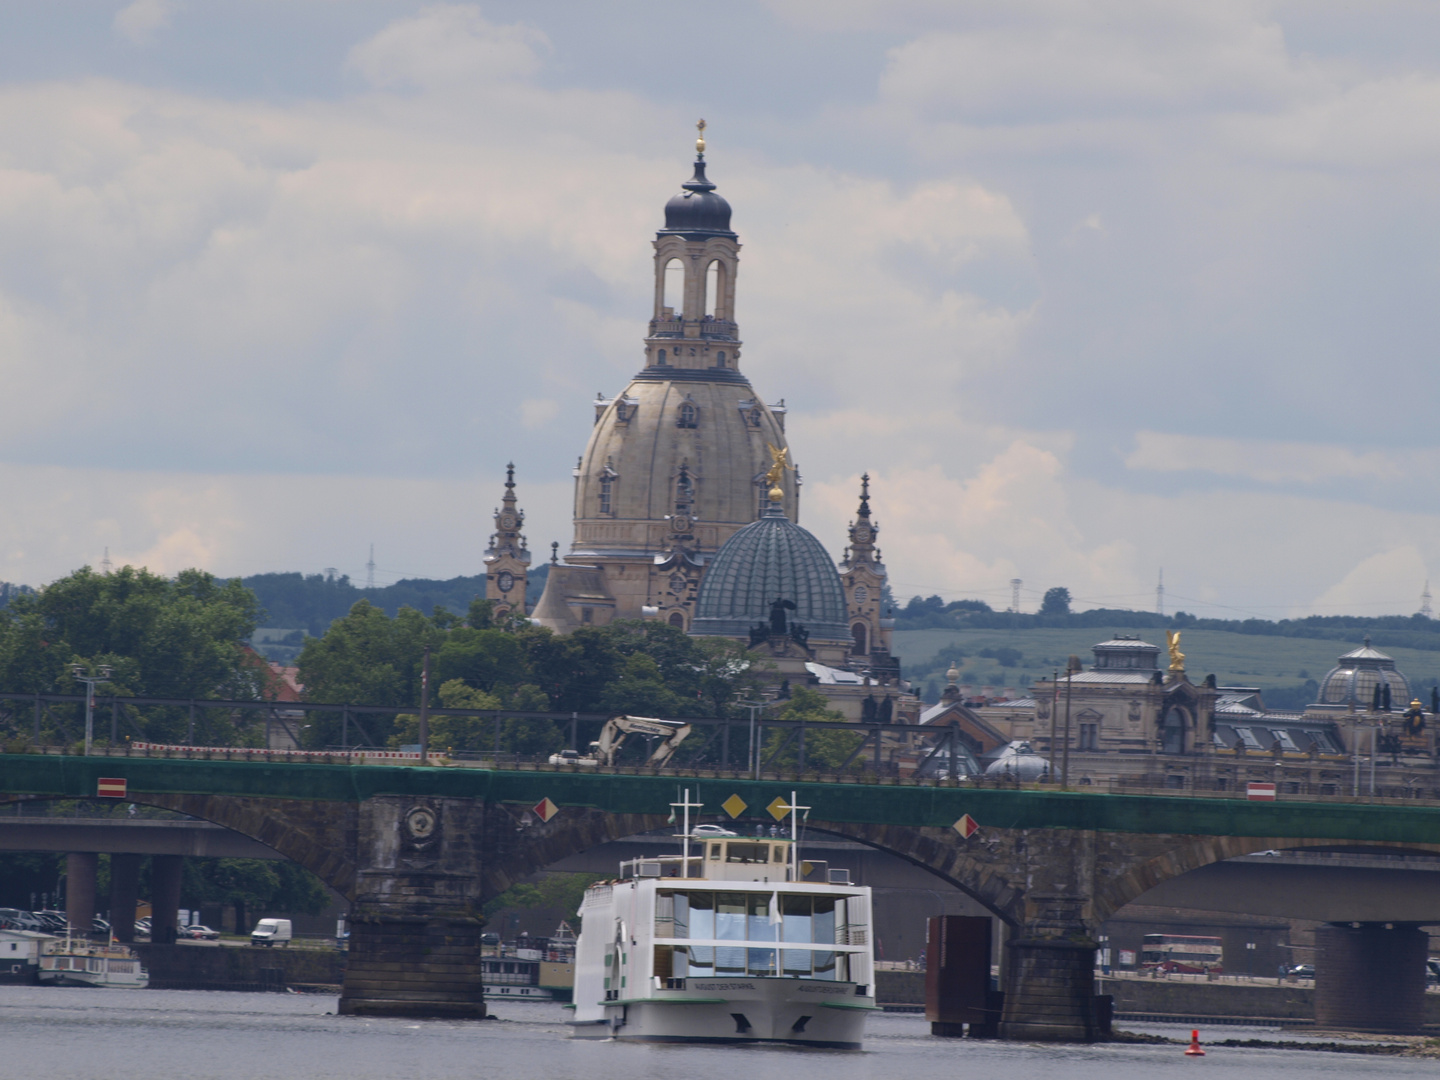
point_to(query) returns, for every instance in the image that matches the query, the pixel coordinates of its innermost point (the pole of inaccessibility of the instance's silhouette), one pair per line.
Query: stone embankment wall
(201, 967)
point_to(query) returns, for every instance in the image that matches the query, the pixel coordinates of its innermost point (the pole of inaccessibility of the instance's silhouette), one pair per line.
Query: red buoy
(1193, 1050)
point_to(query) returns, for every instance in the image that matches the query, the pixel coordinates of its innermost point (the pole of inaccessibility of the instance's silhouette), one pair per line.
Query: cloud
(447, 45)
(1388, 582)
(138, 22)
(1256, 459)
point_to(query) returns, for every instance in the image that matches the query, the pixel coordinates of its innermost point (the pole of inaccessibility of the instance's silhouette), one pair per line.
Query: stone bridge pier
(415, 923)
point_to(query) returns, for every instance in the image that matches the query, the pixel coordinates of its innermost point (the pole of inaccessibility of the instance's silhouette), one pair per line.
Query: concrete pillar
(81, 868)
(165, 876)
(124, 891)
(414, 926)
(1050, 990)
(1369, 978)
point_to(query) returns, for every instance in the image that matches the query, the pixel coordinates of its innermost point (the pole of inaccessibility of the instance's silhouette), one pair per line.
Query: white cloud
(1388, 582)
(1256, 459)
(447, 45)
(138, 22)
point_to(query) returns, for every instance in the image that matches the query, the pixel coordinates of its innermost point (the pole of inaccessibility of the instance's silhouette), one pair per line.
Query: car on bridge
(196, 932)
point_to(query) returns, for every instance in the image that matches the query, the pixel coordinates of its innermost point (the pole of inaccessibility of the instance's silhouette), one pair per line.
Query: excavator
(604, 750)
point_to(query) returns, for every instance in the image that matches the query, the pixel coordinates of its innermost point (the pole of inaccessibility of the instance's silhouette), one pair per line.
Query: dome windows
(688, 415)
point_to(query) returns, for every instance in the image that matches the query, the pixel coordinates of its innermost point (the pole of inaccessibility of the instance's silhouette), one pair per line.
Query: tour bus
(1188, 954)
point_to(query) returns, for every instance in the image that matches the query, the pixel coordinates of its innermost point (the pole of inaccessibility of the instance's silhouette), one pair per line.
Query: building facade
(675, 462)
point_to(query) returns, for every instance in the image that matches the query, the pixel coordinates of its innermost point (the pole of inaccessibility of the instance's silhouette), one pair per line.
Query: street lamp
(753, 765)
(78, 671)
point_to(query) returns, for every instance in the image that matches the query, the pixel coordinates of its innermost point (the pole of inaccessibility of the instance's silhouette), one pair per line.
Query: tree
(824, 748)
(180, 637)
(1056, 602)
(253, 885)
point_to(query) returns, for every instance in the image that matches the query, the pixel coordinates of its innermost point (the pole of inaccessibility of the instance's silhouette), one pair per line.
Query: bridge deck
(924, 803)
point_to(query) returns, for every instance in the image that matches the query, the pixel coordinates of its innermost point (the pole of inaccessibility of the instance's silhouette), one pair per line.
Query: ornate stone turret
(864, 576)
(507, 558)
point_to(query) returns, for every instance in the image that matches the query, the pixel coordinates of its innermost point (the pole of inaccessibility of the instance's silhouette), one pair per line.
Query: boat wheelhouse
(735, 940)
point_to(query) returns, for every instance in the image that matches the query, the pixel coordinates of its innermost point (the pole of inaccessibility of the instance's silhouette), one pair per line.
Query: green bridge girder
(870, 804)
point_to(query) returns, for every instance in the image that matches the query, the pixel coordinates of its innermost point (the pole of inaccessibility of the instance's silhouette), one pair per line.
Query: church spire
(863, 531)
(507, 558)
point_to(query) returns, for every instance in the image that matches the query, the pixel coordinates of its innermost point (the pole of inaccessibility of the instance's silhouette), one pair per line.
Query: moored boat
(73, 961)
(735, 940)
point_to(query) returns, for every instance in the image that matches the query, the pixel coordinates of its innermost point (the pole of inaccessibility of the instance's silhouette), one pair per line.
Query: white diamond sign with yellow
(734, 806)
(778, 809)
(545, 809)
(967, 826)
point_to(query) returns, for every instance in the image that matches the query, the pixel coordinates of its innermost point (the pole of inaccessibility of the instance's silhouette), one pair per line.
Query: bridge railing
(768, 747)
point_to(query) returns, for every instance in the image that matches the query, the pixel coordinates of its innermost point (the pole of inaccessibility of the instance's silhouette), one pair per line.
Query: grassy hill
(1279, 665)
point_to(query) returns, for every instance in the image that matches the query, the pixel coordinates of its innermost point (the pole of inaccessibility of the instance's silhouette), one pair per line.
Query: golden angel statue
(1177, 658)
(776, 473)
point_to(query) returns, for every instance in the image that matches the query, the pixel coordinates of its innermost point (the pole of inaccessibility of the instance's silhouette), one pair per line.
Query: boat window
(702, 915)
(747, 853)
(714, 851)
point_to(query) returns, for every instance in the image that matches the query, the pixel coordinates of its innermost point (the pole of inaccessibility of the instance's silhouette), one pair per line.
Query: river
(79, 1034)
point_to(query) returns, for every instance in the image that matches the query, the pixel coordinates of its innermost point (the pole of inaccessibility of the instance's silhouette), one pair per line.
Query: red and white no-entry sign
(110, 787)
(1260, 792)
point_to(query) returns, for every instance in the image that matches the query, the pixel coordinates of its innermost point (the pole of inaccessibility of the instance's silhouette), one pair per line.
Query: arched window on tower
(661, 359)
(714, 283)
(861, 633)
(677, 620)
(688, 415)
(674, 301)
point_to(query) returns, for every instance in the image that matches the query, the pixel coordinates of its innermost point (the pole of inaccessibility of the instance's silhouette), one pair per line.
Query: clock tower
(864, 577)
(507, 558)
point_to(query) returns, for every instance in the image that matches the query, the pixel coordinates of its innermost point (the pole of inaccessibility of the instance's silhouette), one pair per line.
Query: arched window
(1172, 732)
(607, 493)
(674, 300)
(677, 620)
(662, 361)
(720, 359)
(714, 282)
(861, 633)
(688, 415)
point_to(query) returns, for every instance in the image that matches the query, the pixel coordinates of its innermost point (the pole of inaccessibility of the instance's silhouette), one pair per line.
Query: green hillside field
(1277, 664)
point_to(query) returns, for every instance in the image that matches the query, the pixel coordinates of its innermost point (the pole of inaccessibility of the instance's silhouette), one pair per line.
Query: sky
(1092, 289)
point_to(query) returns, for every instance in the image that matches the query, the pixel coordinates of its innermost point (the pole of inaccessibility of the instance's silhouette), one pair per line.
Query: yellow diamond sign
(734, 806)
(779, 808)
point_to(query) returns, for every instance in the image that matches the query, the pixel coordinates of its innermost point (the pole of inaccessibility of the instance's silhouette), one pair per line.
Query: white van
(269, 931)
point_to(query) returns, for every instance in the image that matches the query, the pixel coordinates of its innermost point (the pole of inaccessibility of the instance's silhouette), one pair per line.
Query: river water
(79, 1034)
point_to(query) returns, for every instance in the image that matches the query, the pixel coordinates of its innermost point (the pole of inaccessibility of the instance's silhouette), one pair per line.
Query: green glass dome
(768, 560)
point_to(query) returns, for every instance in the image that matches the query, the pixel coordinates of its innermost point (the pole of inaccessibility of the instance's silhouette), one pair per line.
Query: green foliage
(250, 886)
(1056, 601)
(825, 750)
(560, 890)
(178, 637)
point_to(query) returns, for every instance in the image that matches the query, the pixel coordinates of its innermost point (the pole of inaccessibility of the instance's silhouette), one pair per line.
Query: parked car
(53, 922)
(1432, 969)
(196, 932)
(711, 830)
(99, 926)
(1303, 971)
(269, 931)
(15, 919)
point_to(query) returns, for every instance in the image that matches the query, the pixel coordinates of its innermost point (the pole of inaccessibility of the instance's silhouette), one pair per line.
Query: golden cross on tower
(700, 142)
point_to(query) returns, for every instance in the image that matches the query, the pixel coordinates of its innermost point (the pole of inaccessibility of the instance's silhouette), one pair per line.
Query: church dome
(1352, 681)
(699, 210)
(768, 560)
(1018, 761)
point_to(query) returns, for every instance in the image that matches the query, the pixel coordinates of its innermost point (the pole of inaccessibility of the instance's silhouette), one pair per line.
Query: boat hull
(796, 1012)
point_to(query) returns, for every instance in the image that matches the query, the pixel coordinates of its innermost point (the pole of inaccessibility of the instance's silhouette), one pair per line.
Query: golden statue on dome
(776, 473)
(1177, 658)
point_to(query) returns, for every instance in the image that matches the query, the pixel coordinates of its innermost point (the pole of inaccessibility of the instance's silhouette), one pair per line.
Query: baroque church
(687, 500)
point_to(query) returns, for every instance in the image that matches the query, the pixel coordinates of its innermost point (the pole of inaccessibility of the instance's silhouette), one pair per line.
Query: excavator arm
(671, 733)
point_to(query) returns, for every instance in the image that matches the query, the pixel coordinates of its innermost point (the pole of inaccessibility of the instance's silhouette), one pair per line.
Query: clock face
(862, 535)
(507, 521)
(505, 580)
(861, 594)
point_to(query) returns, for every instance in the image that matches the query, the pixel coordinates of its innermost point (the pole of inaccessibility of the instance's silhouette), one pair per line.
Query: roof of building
(768, 560)
(1126, 643)
(699, 210)
(1110, 676)
(829, 676)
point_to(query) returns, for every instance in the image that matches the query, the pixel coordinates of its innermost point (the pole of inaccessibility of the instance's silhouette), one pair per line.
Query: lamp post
(753, 764)
(77, 670)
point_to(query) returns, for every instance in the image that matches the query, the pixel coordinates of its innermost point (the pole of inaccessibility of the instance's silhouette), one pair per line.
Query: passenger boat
(72, 961)
(735, 940)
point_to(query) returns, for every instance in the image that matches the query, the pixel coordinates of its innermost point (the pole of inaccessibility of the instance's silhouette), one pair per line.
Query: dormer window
(688, 415)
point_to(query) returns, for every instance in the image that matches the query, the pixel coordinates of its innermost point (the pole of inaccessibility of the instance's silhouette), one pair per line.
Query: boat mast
(685, 829)
(795, 837)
